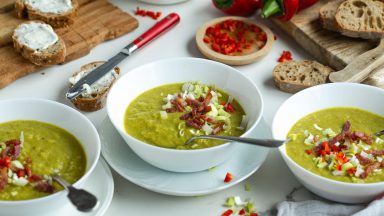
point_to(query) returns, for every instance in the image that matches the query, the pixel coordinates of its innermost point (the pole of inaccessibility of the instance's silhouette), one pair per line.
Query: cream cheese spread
(35, 35)
(97, 86)
(50, 6)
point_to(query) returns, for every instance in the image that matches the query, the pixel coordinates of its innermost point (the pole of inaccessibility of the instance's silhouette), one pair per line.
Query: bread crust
(294, 82)
(97, 101)
(364, 22)
(54, 54)
(327, 15)
(25, 11)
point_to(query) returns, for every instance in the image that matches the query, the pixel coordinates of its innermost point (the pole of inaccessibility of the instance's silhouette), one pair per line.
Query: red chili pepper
(228, 177)
(148, 13)
(20, 173)
(306, 3)
(238, 7)
(242, 212)
(5, 162)
(227, 213)
(285, 56)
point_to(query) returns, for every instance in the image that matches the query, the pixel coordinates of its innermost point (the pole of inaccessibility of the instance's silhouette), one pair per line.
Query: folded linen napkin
(319, 208)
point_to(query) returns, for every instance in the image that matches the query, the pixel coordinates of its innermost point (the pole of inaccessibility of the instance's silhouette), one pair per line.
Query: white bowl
(178, 70)
(320, 97)
(64, 117)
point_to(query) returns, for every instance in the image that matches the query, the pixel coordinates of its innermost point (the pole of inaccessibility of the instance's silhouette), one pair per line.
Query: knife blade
(92, 77)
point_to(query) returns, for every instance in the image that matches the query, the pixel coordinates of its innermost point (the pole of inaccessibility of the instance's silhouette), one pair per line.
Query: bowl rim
(290, 160)
(186, 151)
(84, 176)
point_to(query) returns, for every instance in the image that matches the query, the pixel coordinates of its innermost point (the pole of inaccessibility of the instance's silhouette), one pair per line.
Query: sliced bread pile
(354, 18)
(57, 13)
(293, 76)
(39, 43)
(94, 97)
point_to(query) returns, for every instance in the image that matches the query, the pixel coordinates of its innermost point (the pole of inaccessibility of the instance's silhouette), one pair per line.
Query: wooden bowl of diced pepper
(234, 40)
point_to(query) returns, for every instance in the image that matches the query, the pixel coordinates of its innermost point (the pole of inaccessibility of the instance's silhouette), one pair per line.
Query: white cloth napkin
(318, 208)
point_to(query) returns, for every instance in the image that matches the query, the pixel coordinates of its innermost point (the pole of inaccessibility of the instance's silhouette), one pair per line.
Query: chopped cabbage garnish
(163, 115)
(317, 127)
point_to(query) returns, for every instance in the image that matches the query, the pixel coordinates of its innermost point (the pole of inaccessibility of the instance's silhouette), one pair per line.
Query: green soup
(314, 145)
(47, 149)
(144, 120)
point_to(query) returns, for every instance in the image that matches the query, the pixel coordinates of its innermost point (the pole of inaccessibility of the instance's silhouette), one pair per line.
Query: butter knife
(160, 27)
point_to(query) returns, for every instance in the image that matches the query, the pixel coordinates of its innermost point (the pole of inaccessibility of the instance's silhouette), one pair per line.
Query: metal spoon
(270, 143)
(379, 133)
(82, 199)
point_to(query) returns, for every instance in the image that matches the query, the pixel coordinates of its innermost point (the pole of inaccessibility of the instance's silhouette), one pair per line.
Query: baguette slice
(95, 96)
(328, 13)
(33, 47)
(293, 76)
(361, 18)
(48, 12)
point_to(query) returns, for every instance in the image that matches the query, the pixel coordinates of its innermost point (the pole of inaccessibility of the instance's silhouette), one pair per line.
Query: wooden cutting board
(327, 47)
(97, 21)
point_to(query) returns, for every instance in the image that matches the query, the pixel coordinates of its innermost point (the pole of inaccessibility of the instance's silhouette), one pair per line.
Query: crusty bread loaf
(25, 9)
(51, 55)
(293, 76)
(96, 97)
(328, 13)
(361, 18)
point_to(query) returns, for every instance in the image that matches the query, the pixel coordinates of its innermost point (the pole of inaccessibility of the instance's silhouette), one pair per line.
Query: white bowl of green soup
(158, 106)
(39, 138)
(334, 151)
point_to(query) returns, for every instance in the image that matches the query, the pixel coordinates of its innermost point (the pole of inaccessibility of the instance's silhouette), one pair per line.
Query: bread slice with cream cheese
(94, 97)
(57, 13)
(39, 43)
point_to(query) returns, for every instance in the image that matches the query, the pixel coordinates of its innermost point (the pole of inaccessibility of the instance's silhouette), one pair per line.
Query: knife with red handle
(164, 24)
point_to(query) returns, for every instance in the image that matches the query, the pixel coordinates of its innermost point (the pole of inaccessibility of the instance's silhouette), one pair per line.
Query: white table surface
(270, 184)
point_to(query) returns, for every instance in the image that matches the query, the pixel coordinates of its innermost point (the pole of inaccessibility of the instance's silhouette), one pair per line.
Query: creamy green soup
(45, 150)
(163, 117)
(326, 144)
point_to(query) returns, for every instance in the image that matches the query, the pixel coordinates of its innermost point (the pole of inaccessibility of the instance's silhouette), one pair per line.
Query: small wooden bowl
(207, 51)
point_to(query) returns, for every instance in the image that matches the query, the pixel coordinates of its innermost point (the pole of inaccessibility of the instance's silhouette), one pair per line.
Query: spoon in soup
(82, 199)
(270, 143)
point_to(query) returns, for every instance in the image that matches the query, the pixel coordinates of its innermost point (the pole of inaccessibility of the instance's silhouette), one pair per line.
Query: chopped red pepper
(308, 151)
(285, 56)
(20, 173)
(5, 162)
(242, 212)
(152, 14)
(234, 37)
(227, 212)
(228, 177)
(253, 214)
(228, 107)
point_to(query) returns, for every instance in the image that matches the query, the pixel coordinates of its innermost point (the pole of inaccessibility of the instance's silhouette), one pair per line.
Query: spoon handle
(270, 143)
(62, 182)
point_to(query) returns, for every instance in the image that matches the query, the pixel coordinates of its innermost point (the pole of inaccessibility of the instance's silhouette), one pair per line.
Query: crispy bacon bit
(360, 136)
(376, 152)
(363, 160)
(3, 178)
(369, 169)
(35, 178)
(218, 128)
(44, 186)
(14, 142)
(193, 124)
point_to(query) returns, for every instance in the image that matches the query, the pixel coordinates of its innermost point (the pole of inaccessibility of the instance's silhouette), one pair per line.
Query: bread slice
(361, 18)
(293, 76)
(328, 13)
(39, 43)
(95, 96)
(57, 13)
